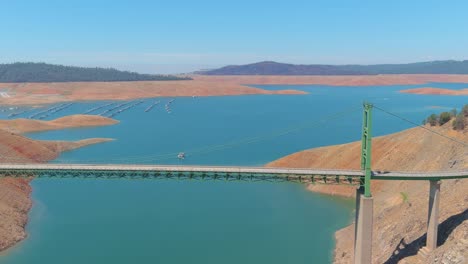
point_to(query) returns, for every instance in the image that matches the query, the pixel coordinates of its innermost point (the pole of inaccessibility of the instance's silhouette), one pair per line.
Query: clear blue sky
(173, 36)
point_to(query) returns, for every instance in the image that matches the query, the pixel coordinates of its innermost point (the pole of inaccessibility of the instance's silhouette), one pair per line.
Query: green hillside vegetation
(459, 119)
(42, 72)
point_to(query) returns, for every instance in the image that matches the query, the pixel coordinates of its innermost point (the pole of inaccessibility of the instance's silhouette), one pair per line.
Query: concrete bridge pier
(433, 215)
(363, 228)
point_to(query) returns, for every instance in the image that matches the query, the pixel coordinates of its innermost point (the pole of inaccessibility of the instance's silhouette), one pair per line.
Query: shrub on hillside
(444, 117)
(432, 120)
(453, 112)
(465, 110)
(460, 122)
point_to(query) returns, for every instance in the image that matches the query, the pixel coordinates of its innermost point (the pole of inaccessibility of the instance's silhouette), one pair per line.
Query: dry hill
(400, 207)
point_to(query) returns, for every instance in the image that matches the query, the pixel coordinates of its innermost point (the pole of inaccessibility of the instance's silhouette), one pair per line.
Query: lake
(170, 221)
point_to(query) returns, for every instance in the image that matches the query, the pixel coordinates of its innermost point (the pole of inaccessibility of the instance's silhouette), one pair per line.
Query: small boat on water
(181, 155)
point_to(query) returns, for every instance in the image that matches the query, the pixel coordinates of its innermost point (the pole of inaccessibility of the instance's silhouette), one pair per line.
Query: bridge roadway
(332, 176)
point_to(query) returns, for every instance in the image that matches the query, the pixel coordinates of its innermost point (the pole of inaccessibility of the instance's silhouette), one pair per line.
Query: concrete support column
(359, 192)
(433, 215)
(363, 228)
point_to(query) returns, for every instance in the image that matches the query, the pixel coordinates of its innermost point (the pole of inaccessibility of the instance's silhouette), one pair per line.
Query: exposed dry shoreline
(400, 207)
(47, 93)
(201, 85)
(15, 198)
(344, 80)
(435, 91)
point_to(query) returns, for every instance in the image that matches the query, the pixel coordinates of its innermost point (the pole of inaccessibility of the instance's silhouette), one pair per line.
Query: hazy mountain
(275, 68)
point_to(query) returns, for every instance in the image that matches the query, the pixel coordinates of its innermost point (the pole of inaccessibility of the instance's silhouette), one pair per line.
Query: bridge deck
(169, 168)
(155, 171)
(439, 175)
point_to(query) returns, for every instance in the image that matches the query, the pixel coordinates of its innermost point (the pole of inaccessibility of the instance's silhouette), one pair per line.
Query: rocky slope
(400, 207)
(15, 203)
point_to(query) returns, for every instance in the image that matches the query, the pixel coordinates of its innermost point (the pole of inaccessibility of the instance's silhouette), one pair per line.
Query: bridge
(359, 178)
(300, 175)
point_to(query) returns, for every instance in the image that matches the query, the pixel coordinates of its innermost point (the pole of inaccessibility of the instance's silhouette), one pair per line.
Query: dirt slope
(23, 125)
(15, 200)
(400, 207)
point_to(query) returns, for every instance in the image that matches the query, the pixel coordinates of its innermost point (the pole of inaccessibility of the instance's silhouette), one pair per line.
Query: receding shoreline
(435, 91)
(336, 80)
(47, 93)
(202, 85)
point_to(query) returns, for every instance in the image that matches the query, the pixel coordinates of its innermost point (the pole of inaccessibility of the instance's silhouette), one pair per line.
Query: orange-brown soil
(16, 148)
(43, 93)
(437, 91)
(15, 203)
(15, 200)
(400, 207)
(349, 80)
(407, 150)
(29, 125)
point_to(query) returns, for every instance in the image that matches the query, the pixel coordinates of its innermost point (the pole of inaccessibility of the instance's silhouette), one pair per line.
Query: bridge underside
(222, 176)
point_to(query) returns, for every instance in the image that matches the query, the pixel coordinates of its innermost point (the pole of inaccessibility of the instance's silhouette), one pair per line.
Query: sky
(173, 36)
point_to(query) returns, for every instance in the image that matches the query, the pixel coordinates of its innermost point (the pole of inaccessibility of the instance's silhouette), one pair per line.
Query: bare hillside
(400, 207)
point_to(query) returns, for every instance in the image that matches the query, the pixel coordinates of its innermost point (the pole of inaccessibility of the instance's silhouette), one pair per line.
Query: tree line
(43, 72)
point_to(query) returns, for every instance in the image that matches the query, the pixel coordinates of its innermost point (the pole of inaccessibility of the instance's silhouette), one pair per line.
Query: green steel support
(366, 148)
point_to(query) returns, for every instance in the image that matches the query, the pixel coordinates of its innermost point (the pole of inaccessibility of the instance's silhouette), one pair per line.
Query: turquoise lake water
(168, 221)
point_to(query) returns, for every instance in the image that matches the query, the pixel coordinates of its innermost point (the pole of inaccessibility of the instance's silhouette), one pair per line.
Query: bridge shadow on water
(404, 250)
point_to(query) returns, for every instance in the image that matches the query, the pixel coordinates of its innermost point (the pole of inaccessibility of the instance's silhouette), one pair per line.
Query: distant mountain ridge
(276, 68)
(43, 72)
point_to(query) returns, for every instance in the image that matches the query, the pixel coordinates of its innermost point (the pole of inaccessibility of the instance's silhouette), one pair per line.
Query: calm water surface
(168, 221)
